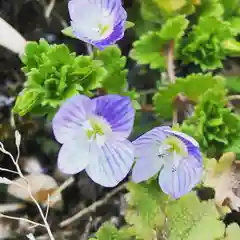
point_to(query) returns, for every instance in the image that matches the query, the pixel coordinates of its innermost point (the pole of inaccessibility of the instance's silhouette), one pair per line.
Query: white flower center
(172, 150)
(98, 129)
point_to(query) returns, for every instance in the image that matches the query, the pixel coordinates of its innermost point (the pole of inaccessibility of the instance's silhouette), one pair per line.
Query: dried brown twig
(25, 187)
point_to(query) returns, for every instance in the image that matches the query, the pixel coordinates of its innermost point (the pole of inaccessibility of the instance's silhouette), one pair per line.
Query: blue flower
(174, 153)
(98, 22)
(94, 136)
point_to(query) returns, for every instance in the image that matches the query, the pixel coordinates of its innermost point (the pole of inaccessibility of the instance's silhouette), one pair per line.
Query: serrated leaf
(55, 74)
(110, 232)
(205, 43)
(187, 218)
(174, 28)
(192, 87)
(144, 213)
(213, 105)
(115, 80)
(150, 48)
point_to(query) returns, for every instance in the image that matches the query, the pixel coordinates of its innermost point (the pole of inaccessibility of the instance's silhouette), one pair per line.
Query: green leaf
(234, 147)
(205, 43)
(230, 7)
(187, 217)
(55, 74)
(235, 25)
(28, 99)
(144, 212)
(150, 48)
(110, 232)
(150, 11)
(233, 84)
(192, 87)
(174, 28)
(232, 47)
(170, 5)
(213, 139)
(115, 80)
(211, 8)
(68, 32)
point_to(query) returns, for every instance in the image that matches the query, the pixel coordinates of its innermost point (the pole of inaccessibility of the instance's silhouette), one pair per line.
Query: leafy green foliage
(110, 232)
(192, 87)
(158, 10)
(205, 43)
(54, 74)
(150, 11)
(190, 219)
(114, 63)
(213, 125)
(211, 8)
(144, 212)
(150, 48)
(149, 208)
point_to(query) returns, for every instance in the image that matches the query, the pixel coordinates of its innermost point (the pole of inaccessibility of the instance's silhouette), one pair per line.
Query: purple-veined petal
(111, 163)
(67, 121)
(74, 155)
(191, 143)
(98, 22)
(148, 163)
(118, 111)
(146, 150)
(179, 181)
(154, 136)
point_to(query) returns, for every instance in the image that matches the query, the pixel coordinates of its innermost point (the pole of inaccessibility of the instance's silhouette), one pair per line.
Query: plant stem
(92, 207)
(234, 97)
(170, 62)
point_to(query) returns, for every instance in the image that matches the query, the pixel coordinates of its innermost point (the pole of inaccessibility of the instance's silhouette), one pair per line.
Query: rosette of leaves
(204, 45)
(213, 124)
(150, 48)
(53, 75)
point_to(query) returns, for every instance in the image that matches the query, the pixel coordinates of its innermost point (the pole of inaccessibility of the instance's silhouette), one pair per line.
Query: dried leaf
(41, 185)
(221, 177)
